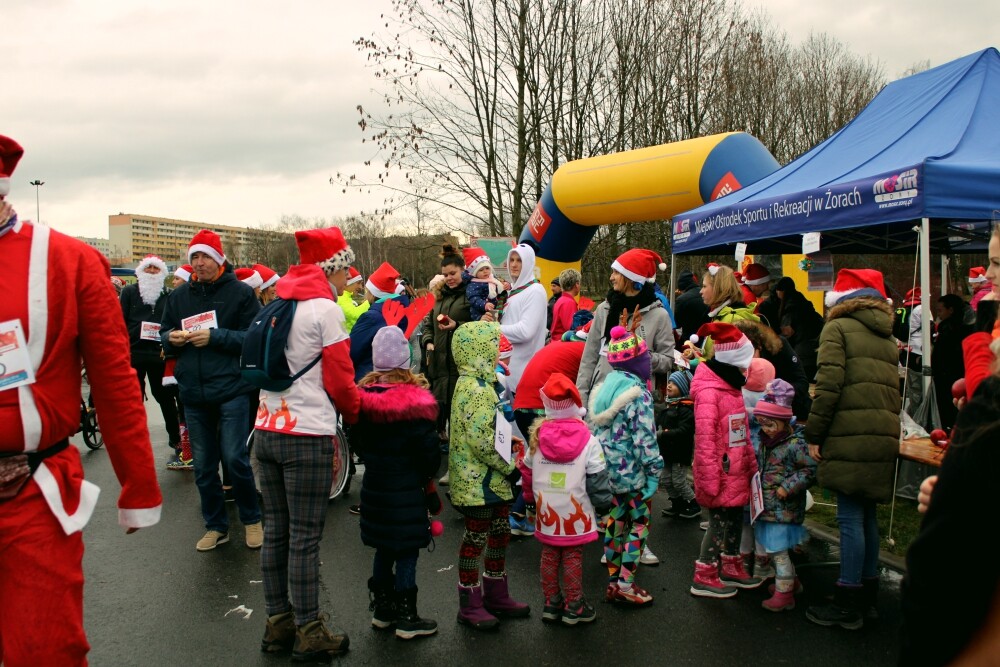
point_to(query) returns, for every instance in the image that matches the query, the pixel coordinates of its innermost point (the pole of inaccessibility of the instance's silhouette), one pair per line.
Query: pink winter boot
(783, 597)
(470, 609)
(497, 599)
(734, 574)
(706, 582)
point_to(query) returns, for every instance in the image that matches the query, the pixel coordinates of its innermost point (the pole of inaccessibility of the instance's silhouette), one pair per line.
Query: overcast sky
(238, 112)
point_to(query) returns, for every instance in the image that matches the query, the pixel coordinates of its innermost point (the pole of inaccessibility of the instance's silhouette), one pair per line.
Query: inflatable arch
(654, 183)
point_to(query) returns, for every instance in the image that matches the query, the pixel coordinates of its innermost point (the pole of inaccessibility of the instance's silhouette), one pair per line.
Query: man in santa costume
(203, 326)
(142, 306)
(44, 500)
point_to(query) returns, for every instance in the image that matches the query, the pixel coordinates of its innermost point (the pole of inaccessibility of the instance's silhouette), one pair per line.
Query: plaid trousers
(296, 472)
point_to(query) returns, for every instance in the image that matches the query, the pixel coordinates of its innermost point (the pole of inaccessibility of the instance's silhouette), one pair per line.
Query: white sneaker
(444, 480)
(648, 557)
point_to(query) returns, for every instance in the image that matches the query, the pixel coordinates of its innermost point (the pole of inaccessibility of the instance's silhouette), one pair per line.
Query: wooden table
(921, 450)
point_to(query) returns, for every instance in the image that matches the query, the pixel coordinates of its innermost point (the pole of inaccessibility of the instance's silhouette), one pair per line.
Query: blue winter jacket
(364, 332)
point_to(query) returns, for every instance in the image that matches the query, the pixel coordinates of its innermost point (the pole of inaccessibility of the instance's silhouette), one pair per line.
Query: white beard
(150, 287)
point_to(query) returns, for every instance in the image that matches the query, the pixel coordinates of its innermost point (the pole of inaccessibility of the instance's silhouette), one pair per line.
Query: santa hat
(579, 335)
(912, 297)
(561, 398)
(326, 247)
(353, 276)
(150, 260)
(713, 268)
(760, 372)
(250, 277)
(384, 282)
(756, 274)
(776, 403)
(639, 265)
(729, 344)
(267, 274)
(390, 349)
(506, 349)
(853, 283)
(208, 242)
(977, 275)
(475, 259)
(10, 154)
(682, 380)
(184, 272)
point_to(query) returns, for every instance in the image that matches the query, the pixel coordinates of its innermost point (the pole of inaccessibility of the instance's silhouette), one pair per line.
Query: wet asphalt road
(151, 599)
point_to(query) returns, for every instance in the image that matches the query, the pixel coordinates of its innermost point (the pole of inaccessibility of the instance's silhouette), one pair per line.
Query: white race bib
(502, 437)
(200, 321)
(15, 363)
(756, 497)
(150, 331)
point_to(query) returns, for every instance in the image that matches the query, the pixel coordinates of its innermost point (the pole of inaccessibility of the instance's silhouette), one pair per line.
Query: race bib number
(756, 497)
(150, 331)
(738, 429)
(15, 363)
(502, 437)
(200, 321)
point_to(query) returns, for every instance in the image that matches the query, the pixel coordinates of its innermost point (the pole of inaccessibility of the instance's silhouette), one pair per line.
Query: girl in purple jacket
(724, 460)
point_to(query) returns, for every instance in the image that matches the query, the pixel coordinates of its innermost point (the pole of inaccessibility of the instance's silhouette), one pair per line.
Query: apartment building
(134, 236)
(102, 246)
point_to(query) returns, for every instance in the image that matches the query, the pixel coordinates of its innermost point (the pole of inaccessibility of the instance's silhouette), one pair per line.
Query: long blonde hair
(724, 287)
(395, 376)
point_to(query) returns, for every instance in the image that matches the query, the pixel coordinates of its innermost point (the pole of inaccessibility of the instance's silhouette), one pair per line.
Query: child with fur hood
(724, 460)
(565, 477)
(621, 415)
(396, 434)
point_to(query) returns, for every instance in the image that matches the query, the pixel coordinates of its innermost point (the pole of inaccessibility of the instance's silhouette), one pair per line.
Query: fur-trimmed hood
(604, 417)
(387, 403)
(876, 314)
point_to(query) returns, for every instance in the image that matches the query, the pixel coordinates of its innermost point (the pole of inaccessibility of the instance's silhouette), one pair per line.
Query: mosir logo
(726, 185)
(896, 187)
(539, 222)
(682, 230)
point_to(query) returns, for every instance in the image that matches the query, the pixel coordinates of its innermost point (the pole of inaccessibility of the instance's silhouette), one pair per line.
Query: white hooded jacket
(523, 321)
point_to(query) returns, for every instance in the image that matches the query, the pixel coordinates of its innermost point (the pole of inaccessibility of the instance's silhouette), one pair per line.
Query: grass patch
(905, 523)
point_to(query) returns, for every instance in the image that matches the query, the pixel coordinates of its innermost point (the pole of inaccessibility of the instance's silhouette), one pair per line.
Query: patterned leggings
(725, 527)
(571, 559)
(486, 528)
(625, 535)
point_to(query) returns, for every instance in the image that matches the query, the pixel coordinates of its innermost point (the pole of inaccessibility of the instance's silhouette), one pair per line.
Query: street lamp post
(38, 214)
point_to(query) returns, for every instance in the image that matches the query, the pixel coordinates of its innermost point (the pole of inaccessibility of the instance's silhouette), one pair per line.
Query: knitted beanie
(761, 372)
(776, 402)
(681, 378)
(390, 349)
(628, 352)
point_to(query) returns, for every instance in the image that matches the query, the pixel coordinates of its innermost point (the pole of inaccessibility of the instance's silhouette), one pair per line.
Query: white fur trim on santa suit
(38, 320)
(4, 186)
(89, 492)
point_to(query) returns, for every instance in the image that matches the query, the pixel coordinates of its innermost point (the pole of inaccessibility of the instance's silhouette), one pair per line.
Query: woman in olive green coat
(853, 431)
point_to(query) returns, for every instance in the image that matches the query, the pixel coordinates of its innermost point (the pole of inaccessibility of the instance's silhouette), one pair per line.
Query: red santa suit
(58, 289)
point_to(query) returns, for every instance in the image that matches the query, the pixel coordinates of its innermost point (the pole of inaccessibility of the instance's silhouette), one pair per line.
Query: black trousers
(166, 397)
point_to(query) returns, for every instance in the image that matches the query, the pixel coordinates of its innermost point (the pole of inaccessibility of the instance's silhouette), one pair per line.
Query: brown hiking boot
(279, 633)
(313, 640)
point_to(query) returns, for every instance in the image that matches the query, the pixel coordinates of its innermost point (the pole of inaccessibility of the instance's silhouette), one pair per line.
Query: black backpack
(263, 362)
(901, 324)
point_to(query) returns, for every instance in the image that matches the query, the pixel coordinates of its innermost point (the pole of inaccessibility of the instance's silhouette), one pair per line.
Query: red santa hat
(977, 275)
(250, 277)
(10, 154)
(184, 272)
(561, 398)
(729, 345)
(354, 276)
(475, 259)
(267, 274)
(150, 260)
(713, 268)
(856, 283)
(326, 247)
(756, 274)
(639, 265)
(208, 242)
(912, 297)
(384, 282)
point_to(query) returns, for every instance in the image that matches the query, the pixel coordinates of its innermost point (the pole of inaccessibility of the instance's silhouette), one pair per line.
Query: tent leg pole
(673, 281)
(927, 317)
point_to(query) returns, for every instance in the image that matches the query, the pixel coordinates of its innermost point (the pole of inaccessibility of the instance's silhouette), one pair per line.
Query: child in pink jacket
(724, 460)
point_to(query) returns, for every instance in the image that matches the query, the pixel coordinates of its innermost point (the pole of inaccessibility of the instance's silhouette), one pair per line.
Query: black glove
(513, 477)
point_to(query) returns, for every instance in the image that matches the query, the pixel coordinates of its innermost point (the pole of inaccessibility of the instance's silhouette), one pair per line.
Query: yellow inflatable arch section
(654, 183)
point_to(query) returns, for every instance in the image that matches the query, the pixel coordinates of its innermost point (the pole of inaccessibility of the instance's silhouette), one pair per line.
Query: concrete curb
(828, 534)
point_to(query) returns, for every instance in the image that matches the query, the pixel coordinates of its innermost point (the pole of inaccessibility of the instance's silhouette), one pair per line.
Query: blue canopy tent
(927, 147)
(925, 151)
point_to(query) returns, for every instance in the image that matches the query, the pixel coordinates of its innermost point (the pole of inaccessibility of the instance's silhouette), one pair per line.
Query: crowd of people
(557, 420)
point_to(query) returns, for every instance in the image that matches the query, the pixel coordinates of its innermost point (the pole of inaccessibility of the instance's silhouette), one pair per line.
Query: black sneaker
(672, 509)
(578, 612)
(552, 612)
(354, 509)
(834, 614)
(690, 509)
